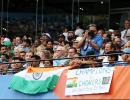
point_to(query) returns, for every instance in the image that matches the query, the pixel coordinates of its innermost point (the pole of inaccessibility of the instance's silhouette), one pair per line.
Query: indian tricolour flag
(36, 80)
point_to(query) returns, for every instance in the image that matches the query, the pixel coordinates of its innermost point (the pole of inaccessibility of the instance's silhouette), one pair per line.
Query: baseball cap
(7, 43)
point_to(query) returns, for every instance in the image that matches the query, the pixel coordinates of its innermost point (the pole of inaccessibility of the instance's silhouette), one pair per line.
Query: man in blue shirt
(91, 41)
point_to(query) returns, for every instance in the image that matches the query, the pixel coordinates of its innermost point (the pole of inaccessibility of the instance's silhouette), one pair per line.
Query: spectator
(35, 45)
(3, 49)
(113, 59)
(45, 54)
(4, 59)
(48, 63)
(22, 54)
(126, 56)
(18, 41)
(17, 65)
(42, 47)
(26, 45)
(16, 52)
(65, 32)
(72, 51)
(58, 54)
(28, 58)
(91, 41)
(125, 34)
(79, 29)
(35, 61)
(109, 47)
(88, 62)
(71, 36)
(49, 46)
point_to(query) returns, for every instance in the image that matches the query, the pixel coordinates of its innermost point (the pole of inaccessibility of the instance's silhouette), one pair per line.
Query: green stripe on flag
(33, 86)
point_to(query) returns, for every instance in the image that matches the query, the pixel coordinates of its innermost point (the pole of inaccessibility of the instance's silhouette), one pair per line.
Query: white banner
(88, 81)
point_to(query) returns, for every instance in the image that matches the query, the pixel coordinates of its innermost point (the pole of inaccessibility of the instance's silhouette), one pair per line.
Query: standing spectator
(125, 34)
(79, 29)
(91, 41)
(65, 32)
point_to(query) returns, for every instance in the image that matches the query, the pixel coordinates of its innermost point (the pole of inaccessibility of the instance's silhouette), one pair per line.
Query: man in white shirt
(125, 34)
(79, 31)
(59, 54)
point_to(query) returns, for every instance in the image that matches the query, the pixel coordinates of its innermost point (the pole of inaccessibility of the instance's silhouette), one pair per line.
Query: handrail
(64, 58)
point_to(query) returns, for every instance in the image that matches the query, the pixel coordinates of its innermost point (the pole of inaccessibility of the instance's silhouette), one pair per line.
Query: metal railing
(100, 63)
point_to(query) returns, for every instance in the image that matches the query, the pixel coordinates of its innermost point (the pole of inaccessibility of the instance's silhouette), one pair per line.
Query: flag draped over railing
(36, 80)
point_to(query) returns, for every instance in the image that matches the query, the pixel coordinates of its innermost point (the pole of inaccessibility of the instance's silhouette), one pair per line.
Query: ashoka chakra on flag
(37, 81)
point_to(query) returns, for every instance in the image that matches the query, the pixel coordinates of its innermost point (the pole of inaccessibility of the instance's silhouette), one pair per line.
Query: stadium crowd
(70, 48)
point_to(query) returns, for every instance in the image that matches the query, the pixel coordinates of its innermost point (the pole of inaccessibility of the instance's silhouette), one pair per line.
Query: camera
(91, 34)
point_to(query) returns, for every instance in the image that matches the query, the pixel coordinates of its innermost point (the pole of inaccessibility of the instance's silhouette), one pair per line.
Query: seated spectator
(22, 54)
(61, 40)
(59, 54)
(48, 63)
(72, 51)
(45, 54)
(26, 45)
(71, 36)
(126, 56)
(49, 46)
(113, 59)
(3, 49)
(18, 41)
(3, 67)
(43, 44)
(35, 61)
(28, 58)
(4, 58)
(35, 45)
(8, 45)
(109, 47)
(16, 52)
(17, 65)
(117, 41)
(88, 62)
(127, 45)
